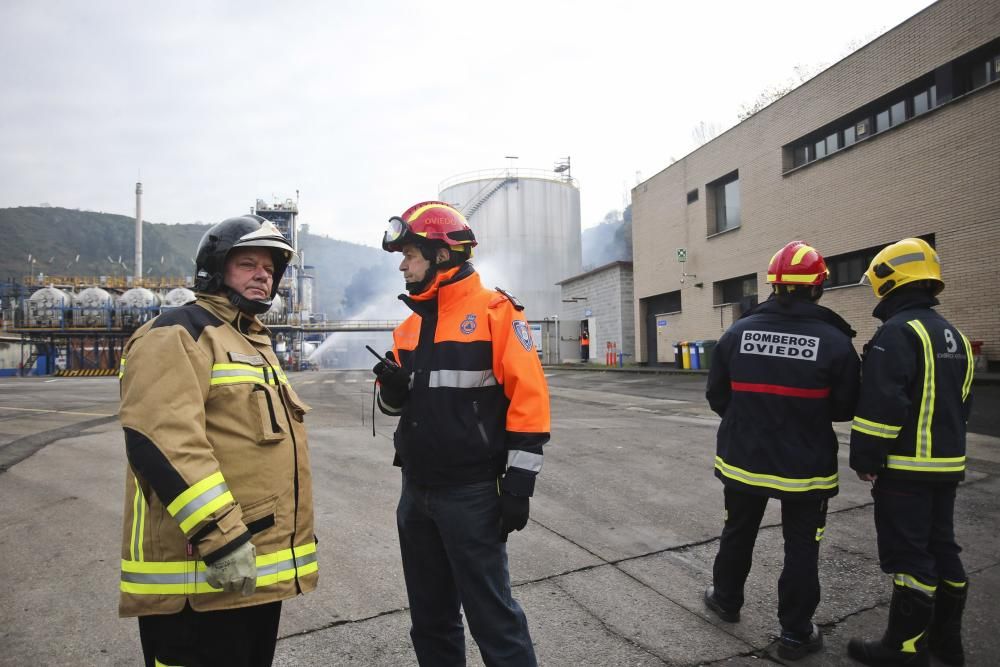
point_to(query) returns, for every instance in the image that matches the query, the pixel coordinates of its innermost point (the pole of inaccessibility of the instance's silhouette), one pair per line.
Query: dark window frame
(939, 87)
(717, 201)
(847, 268)
(723, 291)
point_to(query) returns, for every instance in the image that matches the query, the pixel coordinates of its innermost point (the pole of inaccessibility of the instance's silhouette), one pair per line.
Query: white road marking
(58, 412)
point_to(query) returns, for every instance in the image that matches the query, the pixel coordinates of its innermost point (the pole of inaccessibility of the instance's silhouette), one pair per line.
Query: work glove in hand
(513, 513)
(236, 571)
(393, 380)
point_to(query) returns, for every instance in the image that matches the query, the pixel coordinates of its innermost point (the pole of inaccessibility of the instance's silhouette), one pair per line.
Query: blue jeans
(453, 559)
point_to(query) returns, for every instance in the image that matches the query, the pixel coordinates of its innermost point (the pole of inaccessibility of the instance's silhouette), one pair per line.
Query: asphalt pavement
(610, 569)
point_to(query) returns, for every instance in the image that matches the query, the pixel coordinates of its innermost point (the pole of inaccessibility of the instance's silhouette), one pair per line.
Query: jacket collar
(449, 287)
(223, 308)
(804, 309)
(904, 299)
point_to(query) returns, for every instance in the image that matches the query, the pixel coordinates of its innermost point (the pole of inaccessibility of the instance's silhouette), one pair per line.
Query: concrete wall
(607, 292)
(938, 173)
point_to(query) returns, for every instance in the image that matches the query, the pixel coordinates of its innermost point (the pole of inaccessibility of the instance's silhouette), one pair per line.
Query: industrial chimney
(138, 233)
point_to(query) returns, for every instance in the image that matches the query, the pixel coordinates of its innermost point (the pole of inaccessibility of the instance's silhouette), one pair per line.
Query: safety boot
(945, 640)
(905, 638)
(727, 615)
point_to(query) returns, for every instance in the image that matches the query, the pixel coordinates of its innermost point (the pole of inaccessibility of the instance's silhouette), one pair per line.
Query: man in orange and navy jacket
(466, 382)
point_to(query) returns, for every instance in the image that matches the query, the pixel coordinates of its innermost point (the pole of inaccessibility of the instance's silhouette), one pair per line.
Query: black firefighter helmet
(245, 231)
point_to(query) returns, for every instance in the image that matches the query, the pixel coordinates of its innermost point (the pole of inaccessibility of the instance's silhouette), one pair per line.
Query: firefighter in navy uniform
(218, 525)
(781, 374)
(474, 414)
(908, 439)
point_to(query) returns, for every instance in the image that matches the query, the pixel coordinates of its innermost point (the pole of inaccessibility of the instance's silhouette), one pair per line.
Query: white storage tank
(276, 313)
(48, 307)
(137, 306)
(177, 297)
(527, 223)
(92, 307)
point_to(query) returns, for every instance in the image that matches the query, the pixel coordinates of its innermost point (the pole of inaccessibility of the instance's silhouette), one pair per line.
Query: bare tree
(704, 132)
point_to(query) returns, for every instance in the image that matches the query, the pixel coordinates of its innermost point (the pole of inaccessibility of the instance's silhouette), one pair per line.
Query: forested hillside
(63, 241)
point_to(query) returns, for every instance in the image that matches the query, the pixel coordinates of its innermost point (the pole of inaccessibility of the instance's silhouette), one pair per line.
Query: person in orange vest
(584, 344)
(474, 414)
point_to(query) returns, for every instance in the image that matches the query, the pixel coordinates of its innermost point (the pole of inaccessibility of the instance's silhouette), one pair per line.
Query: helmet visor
(394, 233)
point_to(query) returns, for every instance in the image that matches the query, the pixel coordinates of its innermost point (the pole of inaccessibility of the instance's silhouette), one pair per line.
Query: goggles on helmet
(397, 233)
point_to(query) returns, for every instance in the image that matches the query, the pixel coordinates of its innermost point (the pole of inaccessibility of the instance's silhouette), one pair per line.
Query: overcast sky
(365, 107)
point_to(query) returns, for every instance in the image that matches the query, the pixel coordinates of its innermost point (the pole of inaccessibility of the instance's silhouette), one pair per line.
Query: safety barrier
(86, 372)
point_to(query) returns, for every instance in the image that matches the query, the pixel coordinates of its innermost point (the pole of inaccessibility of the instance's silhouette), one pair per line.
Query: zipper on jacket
(295, 486)
(479, 423)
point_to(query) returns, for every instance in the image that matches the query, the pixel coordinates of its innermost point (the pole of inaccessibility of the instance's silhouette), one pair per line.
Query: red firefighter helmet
(429, 221)
(798, 263)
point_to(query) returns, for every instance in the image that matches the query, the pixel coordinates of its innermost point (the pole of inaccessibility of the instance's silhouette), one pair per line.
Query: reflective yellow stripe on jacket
(235, 373)
(773, 481)
(200, 500)
(138, 523)
(920, 464)
(967, 385)
(926, 415)
(876, 429)
(188, 577)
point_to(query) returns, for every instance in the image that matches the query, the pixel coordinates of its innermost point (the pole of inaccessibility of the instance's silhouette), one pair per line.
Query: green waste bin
(706, 352)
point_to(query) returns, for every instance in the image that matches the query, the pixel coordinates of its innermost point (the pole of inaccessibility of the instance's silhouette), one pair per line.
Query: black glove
(513, 513)
(393, 380)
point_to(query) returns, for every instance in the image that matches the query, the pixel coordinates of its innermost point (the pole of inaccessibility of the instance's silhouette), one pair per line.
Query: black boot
(905, 639)
(945, 640)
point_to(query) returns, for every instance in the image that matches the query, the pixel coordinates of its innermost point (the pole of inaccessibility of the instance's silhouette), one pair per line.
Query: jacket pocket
(260, 515)
(266, 405)
(479, 424)
(296, 406)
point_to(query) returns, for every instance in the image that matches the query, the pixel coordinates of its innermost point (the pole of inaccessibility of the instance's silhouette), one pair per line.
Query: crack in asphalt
(17, 450)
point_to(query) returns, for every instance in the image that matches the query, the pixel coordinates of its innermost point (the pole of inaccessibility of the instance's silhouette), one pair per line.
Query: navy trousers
(916, 529)
(802, 525)
(244, 637)
(454, 559)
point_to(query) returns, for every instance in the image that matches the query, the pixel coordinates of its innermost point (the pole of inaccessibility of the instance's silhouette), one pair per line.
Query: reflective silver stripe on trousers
(462, 379)
(524, 460)
(196, 503)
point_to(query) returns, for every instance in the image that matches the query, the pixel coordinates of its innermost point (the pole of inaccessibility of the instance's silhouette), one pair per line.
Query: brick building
(901, 138)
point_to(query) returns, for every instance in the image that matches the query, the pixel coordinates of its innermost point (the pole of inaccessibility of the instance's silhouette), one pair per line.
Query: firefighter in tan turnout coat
(218, 498)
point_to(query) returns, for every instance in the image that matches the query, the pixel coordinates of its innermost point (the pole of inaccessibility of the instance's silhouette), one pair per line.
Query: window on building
(800, 155)
(882, 121)
(848, 136)
(725, 194)
(918, 96)
(847, 269)
(735, 290)
(693, 196)
(863, 128)
(819, 148)
(832, 143)
(897, 112)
